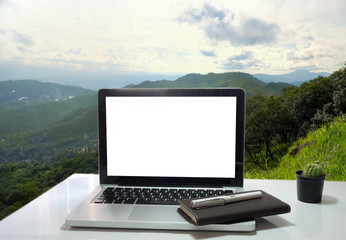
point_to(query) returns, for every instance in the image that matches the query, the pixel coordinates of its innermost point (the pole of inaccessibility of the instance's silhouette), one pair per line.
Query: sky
(173, 36)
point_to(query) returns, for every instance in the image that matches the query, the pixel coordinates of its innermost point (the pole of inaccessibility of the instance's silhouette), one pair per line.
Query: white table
(44, 217)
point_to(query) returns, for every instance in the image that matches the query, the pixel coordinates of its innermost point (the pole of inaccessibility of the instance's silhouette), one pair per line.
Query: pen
(222, 200)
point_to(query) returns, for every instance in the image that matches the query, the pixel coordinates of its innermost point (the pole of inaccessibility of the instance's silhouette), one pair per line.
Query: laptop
(155, 144)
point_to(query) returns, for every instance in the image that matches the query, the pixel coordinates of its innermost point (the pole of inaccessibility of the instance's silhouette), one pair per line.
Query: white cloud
(222, 25)
(208, 53)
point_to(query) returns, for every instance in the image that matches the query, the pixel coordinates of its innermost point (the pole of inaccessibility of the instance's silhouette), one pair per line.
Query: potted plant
(310, 183)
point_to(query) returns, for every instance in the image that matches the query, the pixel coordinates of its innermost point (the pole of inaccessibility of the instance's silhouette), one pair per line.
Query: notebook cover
(238, 211)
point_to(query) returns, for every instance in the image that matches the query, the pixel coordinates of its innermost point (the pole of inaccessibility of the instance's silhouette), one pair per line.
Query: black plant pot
(309, 189)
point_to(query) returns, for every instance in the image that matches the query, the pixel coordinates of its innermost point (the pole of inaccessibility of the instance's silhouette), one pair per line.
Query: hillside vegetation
(326, 146)
(273, 123)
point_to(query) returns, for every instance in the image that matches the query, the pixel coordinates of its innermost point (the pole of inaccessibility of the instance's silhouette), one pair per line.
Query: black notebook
(234, 212)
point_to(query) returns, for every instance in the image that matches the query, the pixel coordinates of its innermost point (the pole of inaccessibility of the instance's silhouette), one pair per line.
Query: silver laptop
(160, 145)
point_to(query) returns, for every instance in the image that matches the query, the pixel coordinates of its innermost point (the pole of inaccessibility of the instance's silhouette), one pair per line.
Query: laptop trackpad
(156, 213)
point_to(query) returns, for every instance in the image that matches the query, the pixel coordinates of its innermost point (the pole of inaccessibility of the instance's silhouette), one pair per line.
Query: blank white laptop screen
(171, 136)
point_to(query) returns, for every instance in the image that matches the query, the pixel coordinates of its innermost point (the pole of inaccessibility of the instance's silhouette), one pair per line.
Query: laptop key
(227, 191)
(99, 200)
(108, 201)
(154, 195)
(118, 200)
(129, 201)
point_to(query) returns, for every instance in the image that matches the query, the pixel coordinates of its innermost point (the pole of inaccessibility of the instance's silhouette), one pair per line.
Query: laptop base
(132, 216)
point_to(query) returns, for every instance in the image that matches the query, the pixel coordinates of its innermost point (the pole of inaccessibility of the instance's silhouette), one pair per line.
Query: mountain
(93, 80)
(246, 81)
(296, 78)
(96, 81)
(28, 92)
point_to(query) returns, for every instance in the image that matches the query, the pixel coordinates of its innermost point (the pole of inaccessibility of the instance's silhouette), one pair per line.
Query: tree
(335, 106)
(304, 101)
(339, 94)
(253, 139)
(267, 121)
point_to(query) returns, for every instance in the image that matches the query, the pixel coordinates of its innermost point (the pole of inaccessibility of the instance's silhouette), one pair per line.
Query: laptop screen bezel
(237, 181)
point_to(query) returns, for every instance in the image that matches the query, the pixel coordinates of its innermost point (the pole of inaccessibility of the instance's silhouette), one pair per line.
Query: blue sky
(174, 37)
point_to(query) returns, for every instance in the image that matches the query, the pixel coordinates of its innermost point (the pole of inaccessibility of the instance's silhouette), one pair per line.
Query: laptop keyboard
(162, 196)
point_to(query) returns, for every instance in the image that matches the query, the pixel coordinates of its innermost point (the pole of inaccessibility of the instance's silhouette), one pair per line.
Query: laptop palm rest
(156, 213)
(167, 217)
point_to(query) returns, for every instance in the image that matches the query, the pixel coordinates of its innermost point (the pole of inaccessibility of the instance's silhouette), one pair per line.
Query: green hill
(77, 131)
(28, 92)
(81, 122)
(231, 79)
(326, 146)
(51, 119)
(18, 119)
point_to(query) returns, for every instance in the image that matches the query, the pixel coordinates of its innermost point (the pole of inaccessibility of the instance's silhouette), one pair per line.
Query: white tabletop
(44, 217)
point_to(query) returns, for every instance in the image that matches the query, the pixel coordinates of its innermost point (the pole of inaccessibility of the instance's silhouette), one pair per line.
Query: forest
(273, 123)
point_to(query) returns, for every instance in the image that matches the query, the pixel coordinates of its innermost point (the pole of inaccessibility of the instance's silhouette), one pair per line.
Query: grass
(326, 146)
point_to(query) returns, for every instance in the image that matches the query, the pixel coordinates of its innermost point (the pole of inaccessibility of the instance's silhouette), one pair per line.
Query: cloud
(224, 26)
(76, 51)
(195, 16)
(243, 56)
(231, 65)
(23, 39)
(300, 57)
(241, 61)
(208, 53)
